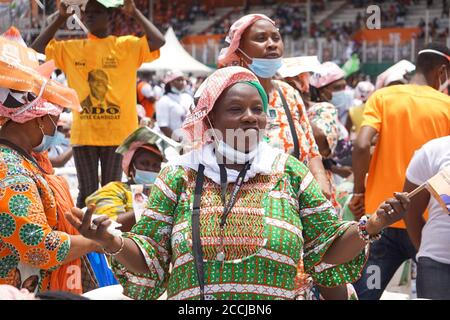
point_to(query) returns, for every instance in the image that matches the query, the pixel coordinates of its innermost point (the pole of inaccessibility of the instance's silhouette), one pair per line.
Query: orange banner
(202, 39)
(387, 35)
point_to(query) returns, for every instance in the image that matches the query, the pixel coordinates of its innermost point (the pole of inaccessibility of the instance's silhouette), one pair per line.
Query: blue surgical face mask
(339, 99)
(59, 139)
(264, 68)
(175, 90)
(144, 177)
(47, 141)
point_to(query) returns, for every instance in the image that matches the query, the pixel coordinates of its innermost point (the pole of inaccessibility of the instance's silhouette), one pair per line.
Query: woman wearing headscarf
(39, 249)
(173, 107)
(328, 84)
(255, 43)
(330, 135)
(141, 163)
(236, 216)
(297, 71)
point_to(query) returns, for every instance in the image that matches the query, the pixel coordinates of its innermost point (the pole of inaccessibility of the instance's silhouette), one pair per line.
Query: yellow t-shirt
(103, 73)
(406, 117)
(356, 114)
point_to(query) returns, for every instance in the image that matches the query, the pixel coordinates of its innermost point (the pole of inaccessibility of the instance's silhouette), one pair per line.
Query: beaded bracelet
(358, 194)
(122, 244)
(362, 231)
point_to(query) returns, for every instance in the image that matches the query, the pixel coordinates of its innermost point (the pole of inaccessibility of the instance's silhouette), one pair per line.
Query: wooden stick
(417, 190)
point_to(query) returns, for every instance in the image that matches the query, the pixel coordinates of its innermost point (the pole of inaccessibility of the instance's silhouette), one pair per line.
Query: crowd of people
(176, 14)
(271, 178)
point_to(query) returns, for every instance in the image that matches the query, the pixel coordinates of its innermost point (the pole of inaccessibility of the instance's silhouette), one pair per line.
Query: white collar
(262, 164)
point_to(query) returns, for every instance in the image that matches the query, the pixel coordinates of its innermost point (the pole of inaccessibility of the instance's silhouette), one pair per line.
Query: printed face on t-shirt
(98, 84)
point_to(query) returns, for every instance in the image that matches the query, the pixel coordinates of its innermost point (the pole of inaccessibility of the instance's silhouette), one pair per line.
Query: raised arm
(155, 37)
(61, 160)
(334, 252)
(414, 219)
(49, 33)
(361, 161)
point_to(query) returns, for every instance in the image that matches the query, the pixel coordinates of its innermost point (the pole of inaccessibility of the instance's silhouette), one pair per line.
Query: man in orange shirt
(405, 117)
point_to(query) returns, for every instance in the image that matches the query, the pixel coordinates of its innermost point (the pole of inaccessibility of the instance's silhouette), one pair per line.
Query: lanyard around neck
(237, 188)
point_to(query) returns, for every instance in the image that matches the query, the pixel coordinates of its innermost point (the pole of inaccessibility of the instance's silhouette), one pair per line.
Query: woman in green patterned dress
(234, 218)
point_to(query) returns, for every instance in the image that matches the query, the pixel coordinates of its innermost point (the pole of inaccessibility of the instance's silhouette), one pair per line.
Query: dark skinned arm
(361, 156)
(349, 124)
(49, 33)
(154, 36)
(318, 171)
(127, 220)
(80, 246)
(131, 256)
(167, 131)
(62, 159)
(336, 293)
(347, 246)
(414, 216)
(344, 171)
(360, 166)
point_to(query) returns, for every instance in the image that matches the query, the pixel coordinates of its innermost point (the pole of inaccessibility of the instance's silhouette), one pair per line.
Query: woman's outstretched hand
(389, 212)
(95, 230)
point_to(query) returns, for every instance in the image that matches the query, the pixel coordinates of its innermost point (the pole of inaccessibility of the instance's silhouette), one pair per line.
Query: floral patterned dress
(279, 220)
(30, 247)
(325, 116)
(278, 132)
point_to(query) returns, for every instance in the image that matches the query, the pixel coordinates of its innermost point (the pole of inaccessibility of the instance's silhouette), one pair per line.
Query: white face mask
(234, 155)
(230, 153)
(443, 86)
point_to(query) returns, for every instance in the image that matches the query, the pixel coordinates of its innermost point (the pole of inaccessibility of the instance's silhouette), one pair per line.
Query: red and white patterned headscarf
(227, 56)
(206, 96)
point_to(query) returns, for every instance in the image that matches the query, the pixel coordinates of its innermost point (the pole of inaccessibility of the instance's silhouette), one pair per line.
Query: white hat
(363, 90)
(294, 66)
(172, 75)
(395, 73)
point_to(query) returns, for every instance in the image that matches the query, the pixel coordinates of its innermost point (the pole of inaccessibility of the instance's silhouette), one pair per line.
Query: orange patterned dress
(278, 133)
(30, 246)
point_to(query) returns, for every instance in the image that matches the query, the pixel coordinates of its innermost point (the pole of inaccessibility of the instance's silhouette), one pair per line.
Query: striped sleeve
(321, 226)
(152, 235)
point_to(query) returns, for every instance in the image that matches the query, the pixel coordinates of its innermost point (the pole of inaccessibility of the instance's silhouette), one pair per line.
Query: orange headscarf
(59, 279)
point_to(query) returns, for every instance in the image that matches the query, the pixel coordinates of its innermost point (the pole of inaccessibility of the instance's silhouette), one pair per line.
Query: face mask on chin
(176, 91)
(264, 68)
(234, 155)
(230, 153)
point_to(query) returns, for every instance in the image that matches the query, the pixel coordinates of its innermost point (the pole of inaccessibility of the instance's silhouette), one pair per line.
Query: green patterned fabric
(277, 219)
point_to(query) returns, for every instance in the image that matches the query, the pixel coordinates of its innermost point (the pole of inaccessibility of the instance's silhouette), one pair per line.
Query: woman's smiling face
(239, 116)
